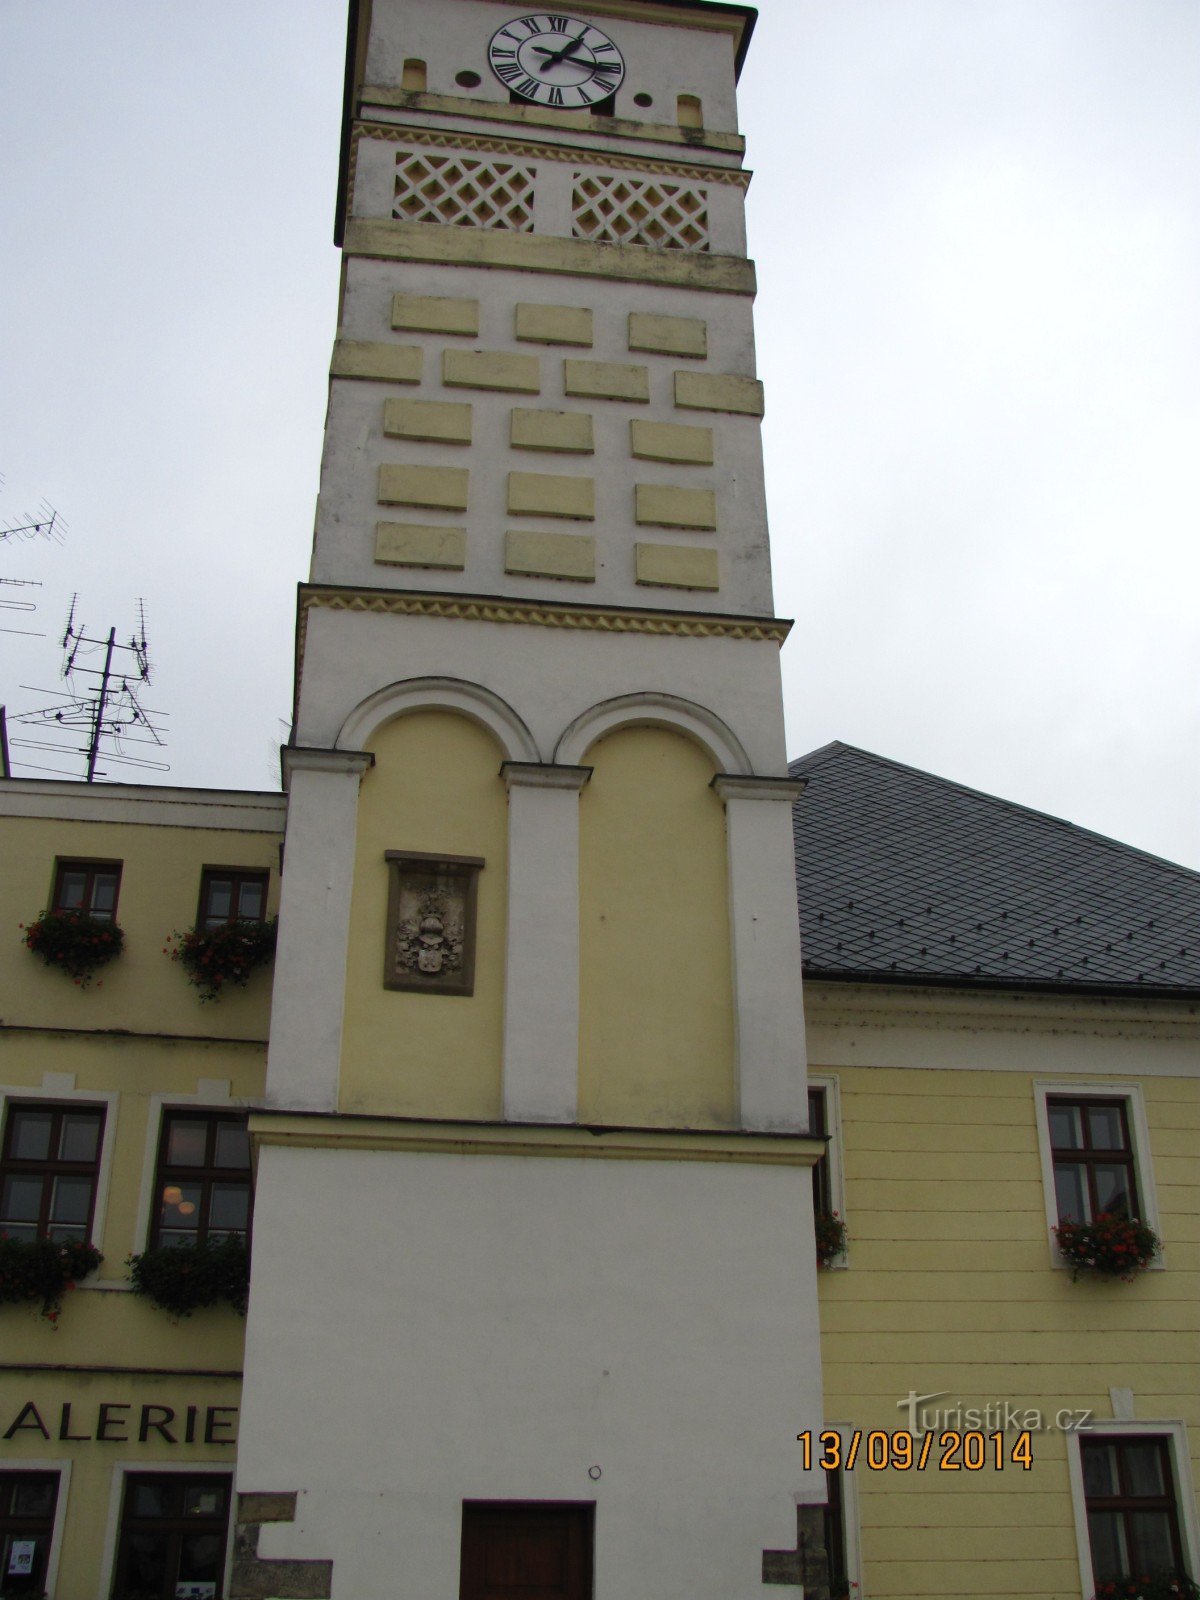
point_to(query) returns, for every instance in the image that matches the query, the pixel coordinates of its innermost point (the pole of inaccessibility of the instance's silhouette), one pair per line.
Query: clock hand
(559, 55)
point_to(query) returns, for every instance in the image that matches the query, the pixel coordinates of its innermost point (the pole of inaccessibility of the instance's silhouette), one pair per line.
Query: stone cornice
(743, 786)
(320, 1130)
(432, 243)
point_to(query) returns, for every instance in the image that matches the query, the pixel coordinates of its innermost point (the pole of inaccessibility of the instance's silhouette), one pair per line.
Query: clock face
(554, 60)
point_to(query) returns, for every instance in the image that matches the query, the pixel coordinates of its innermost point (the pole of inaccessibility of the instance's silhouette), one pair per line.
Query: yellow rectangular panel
(676, 566)
(606, 380)
(668, 336)
(718, 391)
(551, 555)
(663, 505)
(554, 324)
(544, 494)
(425, 314)
(671, 441)
(480, 369)
(408, 544)
(566, 431)
(385, 363)
(443, 488)
(436, 421)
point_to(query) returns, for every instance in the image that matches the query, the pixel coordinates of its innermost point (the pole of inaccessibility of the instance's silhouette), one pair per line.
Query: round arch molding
(654, 710)
(440, 694)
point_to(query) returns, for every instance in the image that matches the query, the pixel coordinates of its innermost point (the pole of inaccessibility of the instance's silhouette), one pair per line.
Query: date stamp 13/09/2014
(880, 1450)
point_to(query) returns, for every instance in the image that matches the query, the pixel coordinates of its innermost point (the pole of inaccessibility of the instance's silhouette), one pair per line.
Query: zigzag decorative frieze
(536, 614)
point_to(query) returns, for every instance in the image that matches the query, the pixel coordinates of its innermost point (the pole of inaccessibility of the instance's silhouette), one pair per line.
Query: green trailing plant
(831, 1237)
(73, 942)
(1109, 1247)
(224, 956)
(1153, 1586)
(182, 1278)
(43, 1269)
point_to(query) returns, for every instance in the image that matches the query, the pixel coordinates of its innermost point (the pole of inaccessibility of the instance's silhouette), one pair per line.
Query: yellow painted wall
(141, 990)
(435, 787)
(950, 1287)
(656, 1001)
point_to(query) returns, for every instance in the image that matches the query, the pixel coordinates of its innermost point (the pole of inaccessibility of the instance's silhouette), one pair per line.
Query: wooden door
(541, 1551)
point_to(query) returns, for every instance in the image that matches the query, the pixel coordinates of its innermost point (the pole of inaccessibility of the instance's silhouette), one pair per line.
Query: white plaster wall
(355, 446)
(427, 1329)
(549, 676)
(452, 36)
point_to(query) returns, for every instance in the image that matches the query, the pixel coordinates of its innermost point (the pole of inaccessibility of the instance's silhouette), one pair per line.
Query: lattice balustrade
(464, 192)
(619, 210)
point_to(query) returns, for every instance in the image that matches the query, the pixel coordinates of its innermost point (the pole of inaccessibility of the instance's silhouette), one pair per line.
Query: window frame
(61, 1469)
(122, 1471)
(90, 865)
(1173, 1433)
(58, 1089)
(239, 875)
(208, 1174)
(829, 1088)
(1130, 1094)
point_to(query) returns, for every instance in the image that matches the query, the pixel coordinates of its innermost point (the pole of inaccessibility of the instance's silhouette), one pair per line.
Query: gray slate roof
(904, 877)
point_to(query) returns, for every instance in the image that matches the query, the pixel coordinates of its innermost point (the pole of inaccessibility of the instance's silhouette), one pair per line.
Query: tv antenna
(47, 524)
(108, 712)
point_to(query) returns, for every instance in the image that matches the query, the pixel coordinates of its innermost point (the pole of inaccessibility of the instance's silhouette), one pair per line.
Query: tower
(534, 1292)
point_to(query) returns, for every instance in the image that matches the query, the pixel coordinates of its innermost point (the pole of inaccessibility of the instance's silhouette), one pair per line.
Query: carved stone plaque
(431, 922)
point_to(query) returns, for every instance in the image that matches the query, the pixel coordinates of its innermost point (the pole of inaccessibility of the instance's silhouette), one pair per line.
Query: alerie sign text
(125, 1422)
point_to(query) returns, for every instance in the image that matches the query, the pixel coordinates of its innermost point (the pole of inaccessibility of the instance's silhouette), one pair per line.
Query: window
(512, 1551)
(28, 1501)
(1132, 1522)
(228, 894)
(174, 1529)
(819, 1128)
(1092, 1157)
(49, 1166)
(202, 1179)
(87, 886)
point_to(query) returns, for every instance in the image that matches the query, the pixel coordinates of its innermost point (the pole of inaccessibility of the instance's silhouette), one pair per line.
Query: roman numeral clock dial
(554, 60)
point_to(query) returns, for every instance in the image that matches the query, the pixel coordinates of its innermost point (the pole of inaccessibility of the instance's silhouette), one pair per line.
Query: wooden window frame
(52, 1167)
(818, 1127)
(1127, 1506)
(176, 1525)
(205, 1175)
(15, 1527)
(1089, 1156)
(91, 868)
(240, 875)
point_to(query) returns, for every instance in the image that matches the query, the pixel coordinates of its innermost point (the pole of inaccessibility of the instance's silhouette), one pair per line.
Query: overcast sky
(978, 243)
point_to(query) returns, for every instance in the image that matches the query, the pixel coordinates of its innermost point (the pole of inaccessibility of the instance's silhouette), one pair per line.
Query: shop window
(49, 1167)
(202, 1181)
(28, 1501)
(173, 1536)
(1092, 1156)
(230, 895)
(510, 1552)
(1132, 1515)
(89, 887)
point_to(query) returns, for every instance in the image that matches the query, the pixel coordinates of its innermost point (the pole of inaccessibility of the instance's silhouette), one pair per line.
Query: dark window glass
(203, 1180)
(27, 1505)
(173, 1534)
(818, 1126)
(1133, 1526)
(49, 1164)
(1093, 1158)
(229, 895)
(87, 886)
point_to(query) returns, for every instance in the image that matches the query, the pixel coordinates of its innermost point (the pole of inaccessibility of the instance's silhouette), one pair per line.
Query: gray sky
(978, 243)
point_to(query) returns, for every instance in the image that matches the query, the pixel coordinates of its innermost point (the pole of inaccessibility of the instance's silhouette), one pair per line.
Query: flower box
(1108, 1247)
(73, 942)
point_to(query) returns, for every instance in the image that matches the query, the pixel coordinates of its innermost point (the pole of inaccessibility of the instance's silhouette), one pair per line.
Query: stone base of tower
(635, 1329)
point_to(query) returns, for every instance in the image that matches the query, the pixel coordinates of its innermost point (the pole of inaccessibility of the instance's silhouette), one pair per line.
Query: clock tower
(534, 1294)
